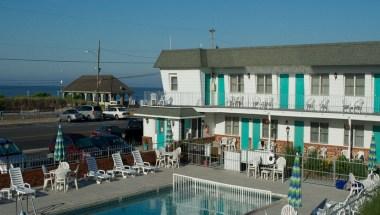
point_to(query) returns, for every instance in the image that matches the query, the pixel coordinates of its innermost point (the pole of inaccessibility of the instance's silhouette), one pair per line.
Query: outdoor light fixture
(173, 122)
(287, 130)
(147, 120)
(335, 76)
(249, 75)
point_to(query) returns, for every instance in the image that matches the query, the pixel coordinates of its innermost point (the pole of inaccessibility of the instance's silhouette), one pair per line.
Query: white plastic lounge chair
(288, 210)
(94, 172)
(358, 106)
(48, 177)
(20, 187)
(279, 168)
(346, 105)
(61, 180)
(119, 167)
(145, 166)
(73, 177)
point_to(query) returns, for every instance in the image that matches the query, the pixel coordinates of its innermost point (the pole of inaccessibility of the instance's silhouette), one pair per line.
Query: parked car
(70, 115)
(91, 112)
(109, 129)
(115, 113)
(10, 153)
(104, 141)
(73, 143)
(134, 131)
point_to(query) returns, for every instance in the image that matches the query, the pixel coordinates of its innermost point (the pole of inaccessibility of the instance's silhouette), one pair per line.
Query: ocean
(10, 91)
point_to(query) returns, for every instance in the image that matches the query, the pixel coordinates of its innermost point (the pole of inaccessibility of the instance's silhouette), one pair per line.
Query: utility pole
(97, 77)
(212, 35)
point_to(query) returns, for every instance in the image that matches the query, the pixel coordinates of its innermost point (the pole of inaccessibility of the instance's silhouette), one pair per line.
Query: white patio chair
(346, 105)
(224, 142)
(279, 168)
(94, 172)
(60, 180)
(323, 152)
(254, 165)
(153, 99)
(356, 186)
(231, 146)
(324, 105)
(20, 187)
(138, 161)
(160, 159)
(64, 165)
(358, 106)
(310, 104)
(288, 210)
(360, 155)
(256, 102)
(73, 177)
(48, 177)
(174, 160)
(310, 150)
(119, 167)
(345, 153)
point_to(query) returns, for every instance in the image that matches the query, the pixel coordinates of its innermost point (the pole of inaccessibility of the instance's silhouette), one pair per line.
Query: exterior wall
(188, 80)
(150, 129)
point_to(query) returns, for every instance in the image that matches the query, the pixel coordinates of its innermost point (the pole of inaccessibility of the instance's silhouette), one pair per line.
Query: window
(232, 126)
(265, 130)
(173, 83)
(354, 85)
(357, 133)
(320, 84)
(264, 84)
(236, 83)
(319, 132)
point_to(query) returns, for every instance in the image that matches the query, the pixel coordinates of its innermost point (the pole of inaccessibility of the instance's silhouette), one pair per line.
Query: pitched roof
(168, 112)
(329, 54)
(107, 83)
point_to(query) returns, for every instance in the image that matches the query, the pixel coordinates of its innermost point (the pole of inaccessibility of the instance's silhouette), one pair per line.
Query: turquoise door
(187, 127)
(256, 134)
(244, 139)
(298, 135)
(207, 89)
(284, 91)
(300, 92)
(221, 96)
(376, 131)
(376, 104)
(160, 131)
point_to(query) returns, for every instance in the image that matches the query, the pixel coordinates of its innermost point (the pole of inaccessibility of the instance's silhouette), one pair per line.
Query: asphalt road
(37, 136)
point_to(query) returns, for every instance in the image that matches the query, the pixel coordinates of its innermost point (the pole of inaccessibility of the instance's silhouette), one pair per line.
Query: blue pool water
(165, 202)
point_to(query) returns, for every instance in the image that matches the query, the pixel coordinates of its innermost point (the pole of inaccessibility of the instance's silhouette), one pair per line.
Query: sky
(132, 33)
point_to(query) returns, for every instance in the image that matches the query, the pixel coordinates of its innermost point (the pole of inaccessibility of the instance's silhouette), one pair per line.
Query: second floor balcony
(312, 103)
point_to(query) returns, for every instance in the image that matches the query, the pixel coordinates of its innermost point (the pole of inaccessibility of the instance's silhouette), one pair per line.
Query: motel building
(321, 96)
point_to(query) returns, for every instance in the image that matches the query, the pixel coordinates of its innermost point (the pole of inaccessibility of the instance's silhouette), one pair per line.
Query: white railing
(313, 103)
(232, 161)
(190, 194)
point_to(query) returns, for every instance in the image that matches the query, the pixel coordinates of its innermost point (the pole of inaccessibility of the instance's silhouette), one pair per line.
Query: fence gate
(232, 161)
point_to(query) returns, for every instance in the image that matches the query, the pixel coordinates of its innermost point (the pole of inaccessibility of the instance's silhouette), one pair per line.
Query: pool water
(164, 202)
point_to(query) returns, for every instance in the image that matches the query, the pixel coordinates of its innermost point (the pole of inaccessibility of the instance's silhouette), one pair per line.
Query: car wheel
(69, 119)
(116, 117)
(88, 117)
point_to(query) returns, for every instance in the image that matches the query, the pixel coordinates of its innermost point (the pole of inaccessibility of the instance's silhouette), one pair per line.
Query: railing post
(108, 152)
(334, 170)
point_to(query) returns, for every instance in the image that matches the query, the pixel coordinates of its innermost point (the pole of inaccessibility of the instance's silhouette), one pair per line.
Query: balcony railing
(312, 103)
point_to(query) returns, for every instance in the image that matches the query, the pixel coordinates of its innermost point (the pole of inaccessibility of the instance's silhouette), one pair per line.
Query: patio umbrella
(294, 194)
(372, 156)
(59, 149)
(169, 133)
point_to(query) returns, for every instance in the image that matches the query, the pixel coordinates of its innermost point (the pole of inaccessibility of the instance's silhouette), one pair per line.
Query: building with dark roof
(108, 89)
(323, 97)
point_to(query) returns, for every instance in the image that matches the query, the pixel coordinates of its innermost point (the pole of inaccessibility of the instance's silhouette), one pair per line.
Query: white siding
(150, 128)
(188, 80)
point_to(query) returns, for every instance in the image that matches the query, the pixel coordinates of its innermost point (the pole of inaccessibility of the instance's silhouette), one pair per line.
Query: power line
(126, 54)
(73, 61)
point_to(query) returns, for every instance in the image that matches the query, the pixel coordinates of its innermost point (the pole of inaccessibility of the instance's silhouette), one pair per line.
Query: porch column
(85, 96)
(94, 97)
(102, 97)
(349, 139)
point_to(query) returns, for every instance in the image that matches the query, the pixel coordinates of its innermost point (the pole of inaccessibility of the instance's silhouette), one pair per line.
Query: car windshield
(122, 109)
(72, 111)
(13, 149)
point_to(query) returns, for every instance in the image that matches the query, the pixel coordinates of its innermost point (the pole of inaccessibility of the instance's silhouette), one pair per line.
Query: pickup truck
(115, 113)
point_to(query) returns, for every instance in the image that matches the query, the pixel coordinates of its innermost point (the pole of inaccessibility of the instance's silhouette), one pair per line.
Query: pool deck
(90, 193)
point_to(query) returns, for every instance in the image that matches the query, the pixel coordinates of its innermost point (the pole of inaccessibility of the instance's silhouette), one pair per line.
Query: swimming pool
(163, 201)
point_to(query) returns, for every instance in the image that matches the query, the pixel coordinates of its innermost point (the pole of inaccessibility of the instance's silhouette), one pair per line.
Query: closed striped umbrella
(372, 155)
(59, 149)
(169, 132)
(294, 194)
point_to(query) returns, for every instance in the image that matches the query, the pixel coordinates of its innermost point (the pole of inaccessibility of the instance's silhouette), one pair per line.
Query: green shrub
(372, 206)
(41, 95)
(356, 167)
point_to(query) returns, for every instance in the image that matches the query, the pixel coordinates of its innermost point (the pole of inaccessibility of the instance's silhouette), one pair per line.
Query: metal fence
(191, 193)
(314, 169)
(32, 161)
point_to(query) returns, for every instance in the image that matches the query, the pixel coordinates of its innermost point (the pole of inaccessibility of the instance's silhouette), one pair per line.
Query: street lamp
(287, 135)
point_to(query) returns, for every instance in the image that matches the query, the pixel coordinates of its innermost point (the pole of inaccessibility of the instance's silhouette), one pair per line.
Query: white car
(115, 112)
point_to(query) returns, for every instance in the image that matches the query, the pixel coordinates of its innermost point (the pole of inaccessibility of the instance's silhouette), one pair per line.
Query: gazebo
(109, 88)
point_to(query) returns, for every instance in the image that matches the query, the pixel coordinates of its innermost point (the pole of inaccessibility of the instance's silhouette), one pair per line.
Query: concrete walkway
(52, 202)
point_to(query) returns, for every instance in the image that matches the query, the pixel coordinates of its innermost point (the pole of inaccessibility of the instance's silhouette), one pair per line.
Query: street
(37, 136)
